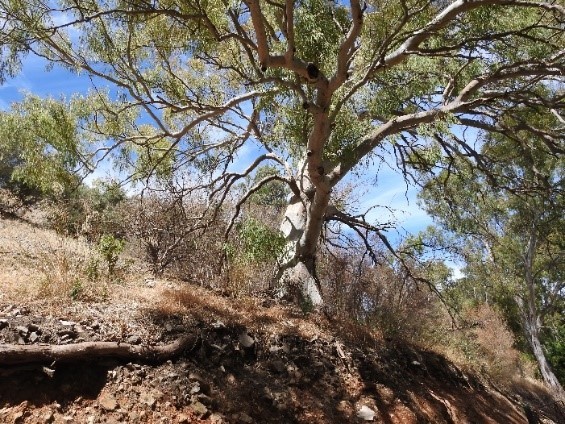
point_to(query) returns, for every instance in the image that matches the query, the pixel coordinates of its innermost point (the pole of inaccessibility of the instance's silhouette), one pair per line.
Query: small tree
(110, 247)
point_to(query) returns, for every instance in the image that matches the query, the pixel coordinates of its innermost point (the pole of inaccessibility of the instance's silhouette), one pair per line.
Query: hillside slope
(252, 361)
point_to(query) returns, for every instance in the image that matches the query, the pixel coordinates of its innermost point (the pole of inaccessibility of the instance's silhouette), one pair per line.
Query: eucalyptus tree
(321, 87)
(39, 151)
(511, 235)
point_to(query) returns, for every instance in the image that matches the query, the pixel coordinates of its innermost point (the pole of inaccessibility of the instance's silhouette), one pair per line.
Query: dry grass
(247, 311)
(261, 315)
(32, 256)
(38, 264)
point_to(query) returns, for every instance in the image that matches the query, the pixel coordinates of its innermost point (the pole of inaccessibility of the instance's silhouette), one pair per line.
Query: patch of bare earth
(252, 360)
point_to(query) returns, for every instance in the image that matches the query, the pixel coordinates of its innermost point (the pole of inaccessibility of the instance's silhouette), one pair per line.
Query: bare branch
(250, 192)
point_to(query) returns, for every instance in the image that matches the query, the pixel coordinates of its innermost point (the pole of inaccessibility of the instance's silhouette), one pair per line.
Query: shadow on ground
(262, 363)
(67, 383)
(289, 375)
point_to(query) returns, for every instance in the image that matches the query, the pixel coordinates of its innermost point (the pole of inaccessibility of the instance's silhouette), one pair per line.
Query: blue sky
(396, 201)
(35, 78)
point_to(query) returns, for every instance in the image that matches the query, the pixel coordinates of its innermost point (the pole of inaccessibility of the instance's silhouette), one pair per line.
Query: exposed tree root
(11, 354)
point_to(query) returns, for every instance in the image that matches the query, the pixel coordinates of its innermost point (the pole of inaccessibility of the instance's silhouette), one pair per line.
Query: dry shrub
(247, 279)
(90, 212)
(9, 202)
(76, 272)
(494, 343)
(201, 256)
(173, 235)
(378, 296)
(181, 237)
(483, 343)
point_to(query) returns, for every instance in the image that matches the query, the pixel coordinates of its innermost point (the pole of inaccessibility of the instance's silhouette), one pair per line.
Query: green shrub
(76, 290)
(259, 243)
(110, 247)
(252, 254)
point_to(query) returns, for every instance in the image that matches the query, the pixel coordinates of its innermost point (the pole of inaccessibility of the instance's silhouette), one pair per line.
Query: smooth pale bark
(531, 318)
(302, 226)
(532, 327)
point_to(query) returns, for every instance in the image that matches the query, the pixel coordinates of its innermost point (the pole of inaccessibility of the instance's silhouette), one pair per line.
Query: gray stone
(49, 371)
(33, 327)
(243, 417)
(206, 400)
(277, 366)
(195, 388)
(67, 334)
(108, 402)
(48, 417)
(134, 340)
(246, 340)
(366, 413)
(18, 417)
(22, 330)
(218, 324)
(216, 419)
(148, 399)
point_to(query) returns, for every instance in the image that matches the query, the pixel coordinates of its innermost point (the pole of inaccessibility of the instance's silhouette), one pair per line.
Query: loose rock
(108, 402)
(199, 408)
(366, 413)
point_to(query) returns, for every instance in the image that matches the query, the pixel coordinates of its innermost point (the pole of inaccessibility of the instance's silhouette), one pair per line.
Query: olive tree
(319, 87)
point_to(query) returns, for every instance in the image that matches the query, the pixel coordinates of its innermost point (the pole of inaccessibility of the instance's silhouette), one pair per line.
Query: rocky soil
(294, 370)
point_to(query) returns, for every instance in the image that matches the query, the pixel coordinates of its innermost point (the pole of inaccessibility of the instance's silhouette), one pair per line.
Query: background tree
(318, 88)
(39, 152)
(511, 235)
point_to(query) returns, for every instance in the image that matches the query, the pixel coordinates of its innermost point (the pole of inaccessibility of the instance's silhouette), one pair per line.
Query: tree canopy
(320, 88)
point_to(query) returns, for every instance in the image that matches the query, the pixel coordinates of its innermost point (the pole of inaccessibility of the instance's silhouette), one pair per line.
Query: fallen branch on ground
(11, 354)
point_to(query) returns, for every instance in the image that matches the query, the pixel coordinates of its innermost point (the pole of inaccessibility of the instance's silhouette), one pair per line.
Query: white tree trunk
(532, 326)
(531, 318)
(298, 271)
